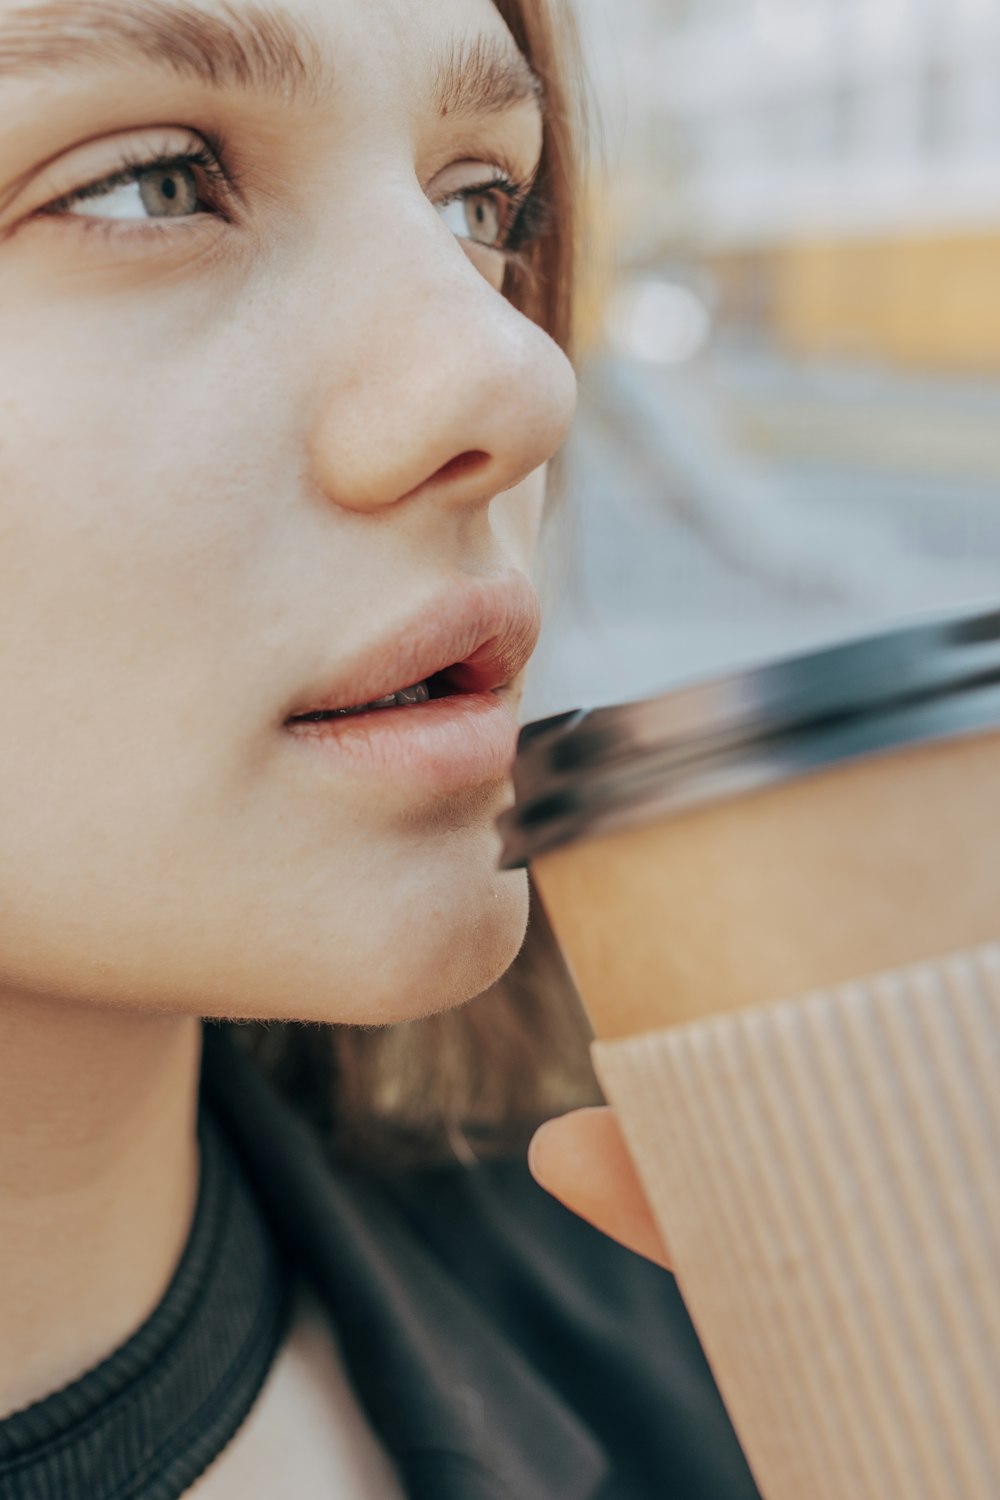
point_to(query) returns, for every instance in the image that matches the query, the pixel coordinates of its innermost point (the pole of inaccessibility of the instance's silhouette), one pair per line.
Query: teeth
(419, 693)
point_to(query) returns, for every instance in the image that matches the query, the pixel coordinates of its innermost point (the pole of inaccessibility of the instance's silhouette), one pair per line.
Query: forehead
(461, 49)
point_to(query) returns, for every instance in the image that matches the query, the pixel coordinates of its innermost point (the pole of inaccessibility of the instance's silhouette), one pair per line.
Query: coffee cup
(779, 895)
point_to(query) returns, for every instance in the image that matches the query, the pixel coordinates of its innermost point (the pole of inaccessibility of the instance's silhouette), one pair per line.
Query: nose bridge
(432, 364)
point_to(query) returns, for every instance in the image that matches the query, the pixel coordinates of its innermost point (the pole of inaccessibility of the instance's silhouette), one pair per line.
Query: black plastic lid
(595, 771)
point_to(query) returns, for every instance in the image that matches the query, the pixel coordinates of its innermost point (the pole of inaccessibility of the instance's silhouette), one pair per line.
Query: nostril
(463, 463)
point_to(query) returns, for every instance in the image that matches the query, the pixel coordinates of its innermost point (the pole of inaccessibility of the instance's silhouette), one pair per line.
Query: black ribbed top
(146, 1421)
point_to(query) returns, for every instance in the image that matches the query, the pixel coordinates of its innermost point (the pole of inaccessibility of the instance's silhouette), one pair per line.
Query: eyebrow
(485, 75)
(249, 47)
(252, 47)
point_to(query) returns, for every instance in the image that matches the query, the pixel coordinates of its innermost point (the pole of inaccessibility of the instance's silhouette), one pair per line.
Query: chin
(455, 950)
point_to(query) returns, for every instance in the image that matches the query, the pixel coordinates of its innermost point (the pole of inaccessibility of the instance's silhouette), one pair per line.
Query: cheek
(119, 566)
(138, 482)
(118, 547)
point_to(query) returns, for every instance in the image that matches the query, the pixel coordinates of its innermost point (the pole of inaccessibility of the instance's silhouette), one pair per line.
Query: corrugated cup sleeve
(826, 1173)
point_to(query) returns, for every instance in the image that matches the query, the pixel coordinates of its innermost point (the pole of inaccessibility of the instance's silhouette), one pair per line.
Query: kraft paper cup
(779, 895)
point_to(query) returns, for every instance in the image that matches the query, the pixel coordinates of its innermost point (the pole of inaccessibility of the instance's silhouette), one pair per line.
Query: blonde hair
(475, 1081)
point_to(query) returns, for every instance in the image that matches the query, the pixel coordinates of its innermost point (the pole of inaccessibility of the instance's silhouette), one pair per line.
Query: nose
(433, 384)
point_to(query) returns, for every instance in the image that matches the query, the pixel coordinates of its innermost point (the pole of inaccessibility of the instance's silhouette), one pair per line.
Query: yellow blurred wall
(919, 301)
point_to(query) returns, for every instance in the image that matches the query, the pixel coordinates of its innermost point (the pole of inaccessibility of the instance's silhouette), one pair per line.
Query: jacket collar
(465, 1416)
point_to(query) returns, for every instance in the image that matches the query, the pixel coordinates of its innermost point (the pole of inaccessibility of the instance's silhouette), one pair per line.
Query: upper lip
(480, 630)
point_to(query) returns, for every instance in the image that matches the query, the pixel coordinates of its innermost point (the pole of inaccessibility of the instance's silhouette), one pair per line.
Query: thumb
(582, 1160)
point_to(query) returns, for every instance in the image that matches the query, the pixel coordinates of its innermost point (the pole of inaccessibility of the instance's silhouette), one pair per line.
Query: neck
(98, 1181)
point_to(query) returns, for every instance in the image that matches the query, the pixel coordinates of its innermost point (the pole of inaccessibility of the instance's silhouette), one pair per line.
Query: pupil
(172, 193)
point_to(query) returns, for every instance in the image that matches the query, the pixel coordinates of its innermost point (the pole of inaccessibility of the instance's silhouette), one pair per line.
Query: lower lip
(445, 744)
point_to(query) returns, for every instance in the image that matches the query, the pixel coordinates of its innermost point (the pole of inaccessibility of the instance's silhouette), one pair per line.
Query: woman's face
(271, 440)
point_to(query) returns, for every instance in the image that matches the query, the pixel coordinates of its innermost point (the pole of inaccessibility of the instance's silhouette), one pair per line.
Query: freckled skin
(203, 450)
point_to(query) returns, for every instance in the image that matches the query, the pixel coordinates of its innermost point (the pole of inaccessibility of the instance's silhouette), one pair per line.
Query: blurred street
(748, 506)
(788, 426)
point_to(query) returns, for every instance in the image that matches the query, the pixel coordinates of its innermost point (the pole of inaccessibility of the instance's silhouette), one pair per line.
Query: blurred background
(789, 424)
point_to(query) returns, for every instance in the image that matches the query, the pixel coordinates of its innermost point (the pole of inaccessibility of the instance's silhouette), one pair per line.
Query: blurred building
(787, 428)
(834, 165)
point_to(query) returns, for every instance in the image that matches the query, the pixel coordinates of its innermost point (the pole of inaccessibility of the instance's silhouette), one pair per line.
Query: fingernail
(533, 1150)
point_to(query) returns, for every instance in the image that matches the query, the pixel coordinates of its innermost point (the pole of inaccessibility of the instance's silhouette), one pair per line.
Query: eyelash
(528, 214)
(528, 211)
(136, 166)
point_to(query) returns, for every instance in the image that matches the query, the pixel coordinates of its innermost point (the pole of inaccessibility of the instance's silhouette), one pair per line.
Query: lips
(470, 636)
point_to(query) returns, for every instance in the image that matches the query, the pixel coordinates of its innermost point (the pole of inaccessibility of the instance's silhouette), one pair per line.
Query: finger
(581, 1159)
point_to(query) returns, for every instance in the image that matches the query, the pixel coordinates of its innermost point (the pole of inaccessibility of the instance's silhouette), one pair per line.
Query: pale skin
(226, 443)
